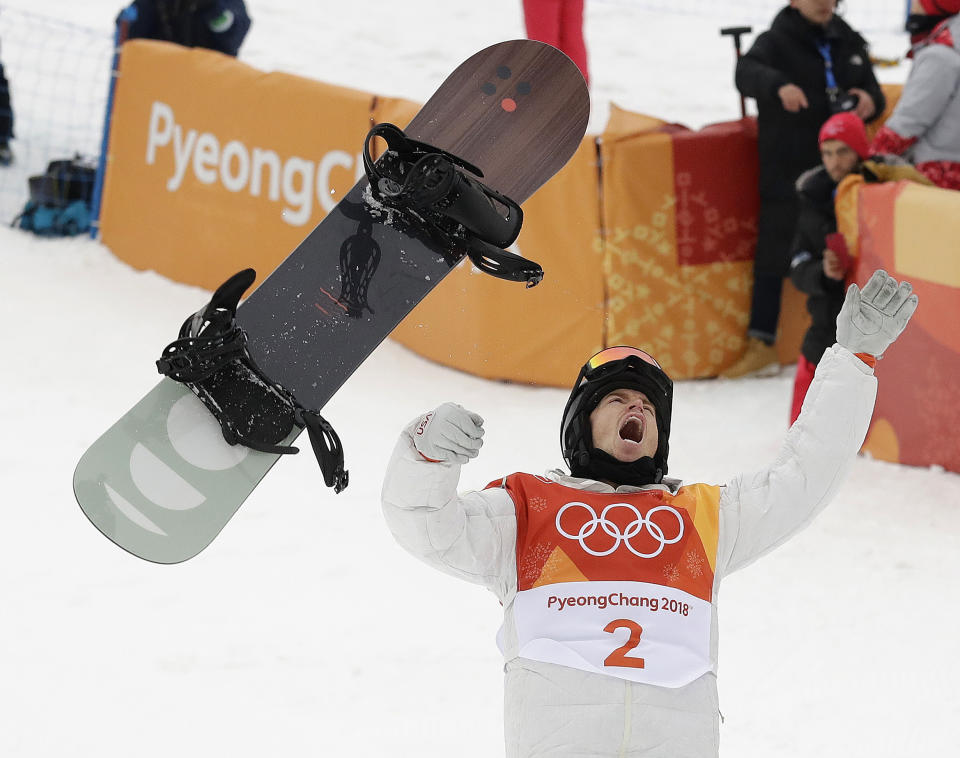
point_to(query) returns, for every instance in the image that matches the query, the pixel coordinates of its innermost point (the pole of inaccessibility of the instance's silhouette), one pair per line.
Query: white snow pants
(552, 711)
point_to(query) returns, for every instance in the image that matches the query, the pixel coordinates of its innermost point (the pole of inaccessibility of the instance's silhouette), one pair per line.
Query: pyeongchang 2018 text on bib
(643, 632)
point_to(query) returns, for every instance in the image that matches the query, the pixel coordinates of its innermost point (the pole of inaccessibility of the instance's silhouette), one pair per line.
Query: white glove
(448, 434)
(872, 319)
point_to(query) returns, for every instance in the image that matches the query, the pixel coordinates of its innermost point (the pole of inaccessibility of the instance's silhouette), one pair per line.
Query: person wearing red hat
(819, 264)
(925, 125)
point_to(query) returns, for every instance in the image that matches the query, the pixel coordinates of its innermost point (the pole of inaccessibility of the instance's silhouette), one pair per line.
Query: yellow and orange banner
(646, 236)
(911, 231)
(215, 166)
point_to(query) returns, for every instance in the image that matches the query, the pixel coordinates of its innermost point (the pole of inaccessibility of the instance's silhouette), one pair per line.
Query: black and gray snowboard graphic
(162, 482)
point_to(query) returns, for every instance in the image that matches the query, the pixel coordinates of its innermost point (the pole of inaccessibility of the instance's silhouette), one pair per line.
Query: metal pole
(127, 16)
(737, 32)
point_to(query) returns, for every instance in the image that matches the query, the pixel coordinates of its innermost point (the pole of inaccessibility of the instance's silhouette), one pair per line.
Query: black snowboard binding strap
(211, 358)
(437, 189)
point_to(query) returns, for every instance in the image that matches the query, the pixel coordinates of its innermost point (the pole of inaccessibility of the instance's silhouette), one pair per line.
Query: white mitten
(873, 318)
(448, 434)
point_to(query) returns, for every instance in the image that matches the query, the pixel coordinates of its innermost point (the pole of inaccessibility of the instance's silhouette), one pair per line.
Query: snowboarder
(608, 576)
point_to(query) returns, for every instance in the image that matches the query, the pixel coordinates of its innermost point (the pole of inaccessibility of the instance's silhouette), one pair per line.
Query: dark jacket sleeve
(806, 272)
(872, 86)
(806, 265)
(756, 75)
(867, 80)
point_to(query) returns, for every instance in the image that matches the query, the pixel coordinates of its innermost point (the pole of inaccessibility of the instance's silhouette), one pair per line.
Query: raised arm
(761, 510)
(470, 536)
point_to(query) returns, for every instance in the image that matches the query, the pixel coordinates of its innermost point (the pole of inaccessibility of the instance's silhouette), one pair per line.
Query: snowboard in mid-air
(165, 479)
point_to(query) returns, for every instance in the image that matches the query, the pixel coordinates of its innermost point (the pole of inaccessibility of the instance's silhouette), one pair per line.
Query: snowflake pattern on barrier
(708, 305)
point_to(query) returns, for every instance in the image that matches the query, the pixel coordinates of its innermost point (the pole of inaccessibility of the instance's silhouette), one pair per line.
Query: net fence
(58, 75)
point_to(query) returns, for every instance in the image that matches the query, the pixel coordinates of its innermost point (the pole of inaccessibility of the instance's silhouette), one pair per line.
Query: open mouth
(632, 430)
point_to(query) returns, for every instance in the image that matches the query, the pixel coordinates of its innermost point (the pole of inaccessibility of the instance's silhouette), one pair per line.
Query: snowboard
(162, 482)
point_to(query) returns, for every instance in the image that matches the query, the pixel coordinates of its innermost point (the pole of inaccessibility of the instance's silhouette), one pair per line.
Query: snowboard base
(181, 481)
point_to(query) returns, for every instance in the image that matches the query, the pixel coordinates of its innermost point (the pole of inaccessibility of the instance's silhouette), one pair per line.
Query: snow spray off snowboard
(244, 379)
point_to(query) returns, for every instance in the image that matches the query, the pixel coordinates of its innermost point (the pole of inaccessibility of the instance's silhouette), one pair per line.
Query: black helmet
(616, 368)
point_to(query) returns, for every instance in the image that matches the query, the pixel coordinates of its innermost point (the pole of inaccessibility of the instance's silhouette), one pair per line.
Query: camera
(842, 101)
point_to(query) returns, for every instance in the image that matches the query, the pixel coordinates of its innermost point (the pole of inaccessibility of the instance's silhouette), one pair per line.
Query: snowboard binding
(436, 189)
(211, 358)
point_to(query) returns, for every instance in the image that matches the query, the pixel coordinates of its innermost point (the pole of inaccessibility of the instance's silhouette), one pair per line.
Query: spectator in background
(6, 120)
(558, 23)
(215, 24)
(821, 262)
(807, 66)
(925, 125)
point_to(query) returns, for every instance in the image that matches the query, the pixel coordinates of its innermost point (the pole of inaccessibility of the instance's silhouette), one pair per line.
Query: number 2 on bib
(619, 656)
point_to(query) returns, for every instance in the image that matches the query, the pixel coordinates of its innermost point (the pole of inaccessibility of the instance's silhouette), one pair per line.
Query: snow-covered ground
(303, 630)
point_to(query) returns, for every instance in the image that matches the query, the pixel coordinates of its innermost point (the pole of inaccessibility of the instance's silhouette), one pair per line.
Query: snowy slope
(303, 630)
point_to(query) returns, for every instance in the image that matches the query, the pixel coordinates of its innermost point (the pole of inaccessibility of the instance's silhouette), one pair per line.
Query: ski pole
(737, 32)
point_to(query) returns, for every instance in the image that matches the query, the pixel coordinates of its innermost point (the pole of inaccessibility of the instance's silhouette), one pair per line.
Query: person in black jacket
(214, 24)
(820, 262)
(807, 66)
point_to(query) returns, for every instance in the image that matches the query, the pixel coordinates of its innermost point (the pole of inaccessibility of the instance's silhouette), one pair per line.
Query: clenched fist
(448, 434)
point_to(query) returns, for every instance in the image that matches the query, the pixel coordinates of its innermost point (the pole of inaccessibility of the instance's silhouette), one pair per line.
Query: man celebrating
(608, 576)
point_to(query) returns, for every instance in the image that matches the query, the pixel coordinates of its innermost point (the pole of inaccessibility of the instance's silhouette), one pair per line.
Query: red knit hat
(848, 128)
(940, 7)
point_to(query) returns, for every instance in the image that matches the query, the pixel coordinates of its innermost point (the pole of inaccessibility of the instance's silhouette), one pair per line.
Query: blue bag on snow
(60, 199)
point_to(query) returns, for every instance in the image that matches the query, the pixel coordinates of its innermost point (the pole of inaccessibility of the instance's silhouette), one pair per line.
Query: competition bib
(619, 584)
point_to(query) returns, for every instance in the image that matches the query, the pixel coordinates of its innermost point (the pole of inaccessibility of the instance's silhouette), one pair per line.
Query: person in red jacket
(558, 23)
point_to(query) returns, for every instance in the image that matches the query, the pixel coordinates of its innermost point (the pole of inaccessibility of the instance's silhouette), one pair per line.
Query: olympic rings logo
(635, 527)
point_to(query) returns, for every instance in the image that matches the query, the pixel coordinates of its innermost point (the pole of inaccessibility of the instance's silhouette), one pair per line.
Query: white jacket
(553, 710)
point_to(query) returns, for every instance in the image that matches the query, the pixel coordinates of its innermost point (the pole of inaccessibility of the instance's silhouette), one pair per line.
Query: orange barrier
(231, 171)
(663, 262)
(678, 242)
(911, 231)
(652, 248)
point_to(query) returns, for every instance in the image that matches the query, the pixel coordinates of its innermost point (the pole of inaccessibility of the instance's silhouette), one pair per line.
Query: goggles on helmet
(599, 364)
